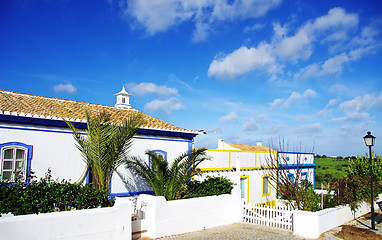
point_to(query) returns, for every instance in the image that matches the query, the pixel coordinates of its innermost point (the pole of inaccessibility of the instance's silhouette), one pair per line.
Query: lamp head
(369, 139)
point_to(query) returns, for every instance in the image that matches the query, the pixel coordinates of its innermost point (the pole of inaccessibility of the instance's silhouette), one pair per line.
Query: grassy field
(330, 169)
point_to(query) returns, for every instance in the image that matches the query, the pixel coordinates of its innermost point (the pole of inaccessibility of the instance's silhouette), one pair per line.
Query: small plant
(47, 195)
(209, 187)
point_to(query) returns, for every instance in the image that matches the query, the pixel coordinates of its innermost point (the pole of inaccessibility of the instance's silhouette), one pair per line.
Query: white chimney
(123, 99)
(221, 144)
(259, 143)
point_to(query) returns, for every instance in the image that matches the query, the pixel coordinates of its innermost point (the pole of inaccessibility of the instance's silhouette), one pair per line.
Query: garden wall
(186, 215)
(99, 223)
(313, 224)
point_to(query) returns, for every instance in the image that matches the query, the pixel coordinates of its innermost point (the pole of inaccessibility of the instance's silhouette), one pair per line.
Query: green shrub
(353, 190)
(46, 195)
(209, 187)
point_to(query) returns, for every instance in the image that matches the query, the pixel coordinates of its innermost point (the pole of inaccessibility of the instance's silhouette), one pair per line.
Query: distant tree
(360, 166)
(318, 156)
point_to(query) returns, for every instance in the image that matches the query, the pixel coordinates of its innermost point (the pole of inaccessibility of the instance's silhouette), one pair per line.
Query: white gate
(279, 217)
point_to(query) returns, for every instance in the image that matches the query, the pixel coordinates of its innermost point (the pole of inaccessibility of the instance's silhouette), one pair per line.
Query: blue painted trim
(314, 173)
(162, 139)
(296, 166)
(295, 153)
(190, 144)
(69, 132)
(129, 194)
(36, 130)
(166, 133)
(40, 121)
(29, 156)
(81, 125)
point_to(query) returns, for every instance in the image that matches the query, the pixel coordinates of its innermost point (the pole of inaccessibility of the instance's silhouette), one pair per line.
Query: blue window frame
(304, 176)
(15, 161)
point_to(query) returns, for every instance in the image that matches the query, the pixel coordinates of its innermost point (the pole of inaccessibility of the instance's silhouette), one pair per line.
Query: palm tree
(165, 179)
(105, 145)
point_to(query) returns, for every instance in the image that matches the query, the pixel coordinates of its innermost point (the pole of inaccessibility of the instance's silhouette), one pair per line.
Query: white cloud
(294, 97)
(254, 27)
(273, 129)
(168, 106)
(294, 47)
(241, 61)
(146, 88)
(276, 103)
(231, 117)
(250, 125)
(356, 109)
(308, 130)
(69, 88)
(324, 112)
(161, 15)
(335, 27)
(338, 89)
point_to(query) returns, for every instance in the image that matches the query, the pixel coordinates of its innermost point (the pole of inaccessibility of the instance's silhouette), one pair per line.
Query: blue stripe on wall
(83, 126)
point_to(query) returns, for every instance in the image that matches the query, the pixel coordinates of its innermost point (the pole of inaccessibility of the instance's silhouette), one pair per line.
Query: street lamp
(369, 141)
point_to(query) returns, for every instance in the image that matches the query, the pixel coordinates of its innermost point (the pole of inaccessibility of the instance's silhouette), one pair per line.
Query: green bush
(48, 196)
(209, 187)
(353, 190)
(302, 195)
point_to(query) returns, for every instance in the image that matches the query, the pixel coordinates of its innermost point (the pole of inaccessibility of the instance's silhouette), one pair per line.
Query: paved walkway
(238, 231)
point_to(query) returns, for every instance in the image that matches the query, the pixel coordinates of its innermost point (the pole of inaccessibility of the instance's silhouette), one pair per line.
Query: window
(266, 185)
(244, 188)
(159, 152)
(304, 176)
(291, 177)
(15, 161)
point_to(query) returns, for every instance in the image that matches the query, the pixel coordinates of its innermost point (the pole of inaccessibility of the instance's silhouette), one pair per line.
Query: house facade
(34, 138)
(261, 169)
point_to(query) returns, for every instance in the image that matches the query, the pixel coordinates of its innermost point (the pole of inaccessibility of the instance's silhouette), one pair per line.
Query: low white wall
(187, 215)
(99, 223)
(313, 224)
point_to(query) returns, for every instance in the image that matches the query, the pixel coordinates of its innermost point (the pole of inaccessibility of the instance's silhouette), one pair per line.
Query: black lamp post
(369, 141)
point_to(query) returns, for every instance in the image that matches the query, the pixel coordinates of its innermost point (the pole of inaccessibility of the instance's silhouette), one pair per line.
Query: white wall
(313, 224)
(187, 215)
(54, 148)
(101, 223)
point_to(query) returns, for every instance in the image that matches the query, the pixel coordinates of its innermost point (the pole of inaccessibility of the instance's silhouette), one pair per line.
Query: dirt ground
(355, 233)
(352, 232)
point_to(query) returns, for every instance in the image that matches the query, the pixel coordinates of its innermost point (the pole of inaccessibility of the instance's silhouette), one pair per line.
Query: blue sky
(304, 72)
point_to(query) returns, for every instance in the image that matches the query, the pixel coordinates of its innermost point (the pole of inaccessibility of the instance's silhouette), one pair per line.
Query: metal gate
(279, 217)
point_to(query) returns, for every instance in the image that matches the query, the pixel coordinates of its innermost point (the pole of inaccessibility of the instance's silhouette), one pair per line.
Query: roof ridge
(25, 104)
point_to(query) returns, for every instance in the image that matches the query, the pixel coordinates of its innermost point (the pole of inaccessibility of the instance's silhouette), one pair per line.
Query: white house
(34, 137)
(257, 163)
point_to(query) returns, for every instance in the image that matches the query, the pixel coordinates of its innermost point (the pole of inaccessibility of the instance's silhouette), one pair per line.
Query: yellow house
(257, 166)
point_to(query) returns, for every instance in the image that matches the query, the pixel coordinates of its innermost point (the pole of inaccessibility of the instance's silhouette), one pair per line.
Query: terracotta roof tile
(245, 147)
(23, 104)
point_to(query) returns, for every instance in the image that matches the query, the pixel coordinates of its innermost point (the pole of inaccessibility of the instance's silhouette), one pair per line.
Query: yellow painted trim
(229, 159)
(223, 150)
(270, 203)
(262, 185)
(247, 177)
